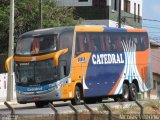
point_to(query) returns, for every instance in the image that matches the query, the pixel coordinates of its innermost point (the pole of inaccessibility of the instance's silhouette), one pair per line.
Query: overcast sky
(151, 10)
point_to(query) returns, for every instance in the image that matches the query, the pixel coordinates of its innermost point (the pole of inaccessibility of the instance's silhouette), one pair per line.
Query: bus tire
(41, 104)
(125, 93)
(90, 100)
(99, 100)
(77, 96)
(132, 92)
(117, 98)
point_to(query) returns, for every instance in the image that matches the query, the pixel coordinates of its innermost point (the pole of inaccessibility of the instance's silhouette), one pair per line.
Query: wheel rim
(133, 91)
(78, 95)
(125, 93)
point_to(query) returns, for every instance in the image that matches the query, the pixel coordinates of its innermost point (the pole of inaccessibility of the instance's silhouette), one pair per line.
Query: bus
(85, 62)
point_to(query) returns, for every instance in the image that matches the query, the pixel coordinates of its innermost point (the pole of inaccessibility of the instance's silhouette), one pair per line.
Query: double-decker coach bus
(81, 62)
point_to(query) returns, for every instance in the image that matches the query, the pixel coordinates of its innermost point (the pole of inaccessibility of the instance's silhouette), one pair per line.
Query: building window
(138, 13)
(115, 5)
(99, 3)
(135, 12)
(127, 6)
(83, 0)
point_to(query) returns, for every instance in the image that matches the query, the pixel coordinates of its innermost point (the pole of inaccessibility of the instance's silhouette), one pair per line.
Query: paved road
(31, 109)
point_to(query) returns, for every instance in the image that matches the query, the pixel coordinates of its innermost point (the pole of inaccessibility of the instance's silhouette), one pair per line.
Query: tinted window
(88, 42)
(118, 42)
(66, 40)
(36, 45)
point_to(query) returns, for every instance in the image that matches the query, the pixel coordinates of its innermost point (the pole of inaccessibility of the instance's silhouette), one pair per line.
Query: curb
(10, 102)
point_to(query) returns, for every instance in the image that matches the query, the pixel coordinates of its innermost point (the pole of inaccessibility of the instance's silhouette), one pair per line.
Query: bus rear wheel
(132, 92)
(90, 100)
(77, 96)
(125, 93)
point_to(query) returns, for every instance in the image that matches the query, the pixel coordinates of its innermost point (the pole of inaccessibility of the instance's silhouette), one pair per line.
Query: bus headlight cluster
(55, 88)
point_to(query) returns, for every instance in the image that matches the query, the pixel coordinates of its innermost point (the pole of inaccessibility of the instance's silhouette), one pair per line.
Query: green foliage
(27, 18)
(4, 23)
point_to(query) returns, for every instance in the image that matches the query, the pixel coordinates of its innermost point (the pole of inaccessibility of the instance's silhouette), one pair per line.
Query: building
(155, 55)
(106, 12)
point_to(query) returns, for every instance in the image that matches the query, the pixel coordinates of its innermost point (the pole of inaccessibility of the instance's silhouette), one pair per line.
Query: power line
(153, 20)
(151, 27)
(154, 32)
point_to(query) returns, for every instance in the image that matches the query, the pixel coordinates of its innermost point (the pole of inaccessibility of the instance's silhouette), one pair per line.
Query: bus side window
(53, 43)
(137, 41)
(66, 41)
(95, 42)
(90, 44)
(102, 37)
(117, 45)
(107, 42)
(144, 42)
(80, 43)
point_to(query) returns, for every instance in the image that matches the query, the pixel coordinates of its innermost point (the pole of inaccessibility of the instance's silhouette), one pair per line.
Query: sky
(151, 10)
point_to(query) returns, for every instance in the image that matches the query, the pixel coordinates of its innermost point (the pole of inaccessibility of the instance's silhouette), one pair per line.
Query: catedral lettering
(107, 59)
(35, 89)
(81, 63)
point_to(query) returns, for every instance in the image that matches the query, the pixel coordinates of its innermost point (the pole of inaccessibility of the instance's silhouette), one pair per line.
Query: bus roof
(102, 28)
(81, 28)
(55, 30)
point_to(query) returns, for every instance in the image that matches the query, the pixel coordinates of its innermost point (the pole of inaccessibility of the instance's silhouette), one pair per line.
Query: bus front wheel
(77, 96)
(41, 104)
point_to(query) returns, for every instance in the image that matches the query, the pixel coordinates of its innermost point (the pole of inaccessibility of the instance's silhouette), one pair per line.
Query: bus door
(65, 41)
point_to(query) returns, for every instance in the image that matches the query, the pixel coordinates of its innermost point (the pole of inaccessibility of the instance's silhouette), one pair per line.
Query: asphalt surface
(31, 109)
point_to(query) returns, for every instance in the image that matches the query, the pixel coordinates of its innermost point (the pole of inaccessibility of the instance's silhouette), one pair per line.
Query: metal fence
(76, 115)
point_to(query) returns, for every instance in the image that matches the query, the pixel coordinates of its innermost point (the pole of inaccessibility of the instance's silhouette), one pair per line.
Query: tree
(4, 25)
(27, 18)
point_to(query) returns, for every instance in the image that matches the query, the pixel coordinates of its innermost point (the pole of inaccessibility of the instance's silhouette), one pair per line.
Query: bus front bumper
(28, 97)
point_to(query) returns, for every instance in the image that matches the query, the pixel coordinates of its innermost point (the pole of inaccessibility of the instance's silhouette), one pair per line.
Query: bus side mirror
(58, 54)
(7, 63)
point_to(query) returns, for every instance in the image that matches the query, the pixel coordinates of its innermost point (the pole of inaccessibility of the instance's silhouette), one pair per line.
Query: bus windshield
(32, 45)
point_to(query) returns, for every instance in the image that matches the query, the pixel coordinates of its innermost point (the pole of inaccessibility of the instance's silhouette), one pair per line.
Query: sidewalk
(13, 102)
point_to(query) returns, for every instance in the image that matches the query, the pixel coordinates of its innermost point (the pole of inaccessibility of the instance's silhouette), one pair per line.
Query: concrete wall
(74, 3)
(3, 87)
(115, 24)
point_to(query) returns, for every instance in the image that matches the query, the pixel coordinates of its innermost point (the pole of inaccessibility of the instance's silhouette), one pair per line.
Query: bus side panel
(79, 69)
(144, 70)
(103, 73)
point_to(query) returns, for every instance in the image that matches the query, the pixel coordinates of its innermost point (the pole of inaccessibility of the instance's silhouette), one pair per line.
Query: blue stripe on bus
(100, 78)
(35, 88)
(110, 29)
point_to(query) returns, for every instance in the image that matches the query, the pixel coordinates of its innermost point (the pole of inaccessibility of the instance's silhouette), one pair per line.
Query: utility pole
(11, 49)
(119, 15)
(40, 14)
